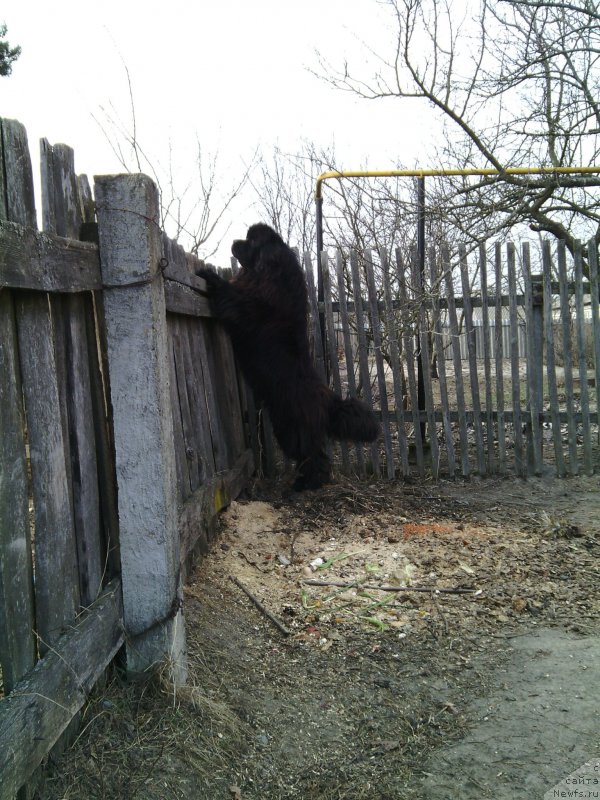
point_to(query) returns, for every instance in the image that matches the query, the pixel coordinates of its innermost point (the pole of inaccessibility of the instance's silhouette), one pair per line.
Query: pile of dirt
(405, 623)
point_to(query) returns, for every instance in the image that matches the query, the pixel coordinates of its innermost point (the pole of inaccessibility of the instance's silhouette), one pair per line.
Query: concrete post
(135, 318)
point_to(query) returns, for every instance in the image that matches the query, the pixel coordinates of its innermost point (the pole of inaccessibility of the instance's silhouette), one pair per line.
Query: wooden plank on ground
(567, 348)
(17, 614)
(375, 325)
(41, 706)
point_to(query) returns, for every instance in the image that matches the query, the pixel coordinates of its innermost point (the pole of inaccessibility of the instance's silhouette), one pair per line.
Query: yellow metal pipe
(426, 173)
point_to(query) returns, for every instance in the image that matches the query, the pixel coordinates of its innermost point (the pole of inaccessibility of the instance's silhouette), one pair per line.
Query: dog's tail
(351, 420)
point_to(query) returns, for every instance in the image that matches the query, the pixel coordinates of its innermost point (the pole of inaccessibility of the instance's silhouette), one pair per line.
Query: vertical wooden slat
(363, 360)
(584, 400)
(62, 210)
(107, 481)
(17, 642)
(348, 351)
(418, 280)
(392, 339)
(520, 463)
(441, 362)
(472, 356)
(595, 313)
(565, 316)
(499, 359)
(17, 202)
(331, 346)
(409, 351)
(315, 326)
(550, 358)
(487, 367)
(534, 353)
(206, 379)
(181, 461)
(379, 363)
(457, 363)
(55, 552)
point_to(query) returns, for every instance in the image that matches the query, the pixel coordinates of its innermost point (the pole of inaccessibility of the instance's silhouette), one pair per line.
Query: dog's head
(248, 251)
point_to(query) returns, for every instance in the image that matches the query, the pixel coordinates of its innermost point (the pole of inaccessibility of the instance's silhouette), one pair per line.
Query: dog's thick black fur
(265, 310)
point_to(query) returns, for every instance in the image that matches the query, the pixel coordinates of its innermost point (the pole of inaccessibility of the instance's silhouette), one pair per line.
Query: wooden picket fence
(516, 356)
(123, 430)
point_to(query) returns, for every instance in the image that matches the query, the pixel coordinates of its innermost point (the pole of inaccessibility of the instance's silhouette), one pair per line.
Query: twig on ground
(385, 588)
(279, 625)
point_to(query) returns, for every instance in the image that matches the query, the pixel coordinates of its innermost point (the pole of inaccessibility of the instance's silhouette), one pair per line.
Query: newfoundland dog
(265, 310)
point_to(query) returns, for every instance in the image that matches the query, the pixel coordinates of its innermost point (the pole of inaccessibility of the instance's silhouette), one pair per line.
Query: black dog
(265, 309)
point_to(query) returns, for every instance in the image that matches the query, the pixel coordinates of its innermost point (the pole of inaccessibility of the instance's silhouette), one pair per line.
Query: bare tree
(518, 85)
(194, 209)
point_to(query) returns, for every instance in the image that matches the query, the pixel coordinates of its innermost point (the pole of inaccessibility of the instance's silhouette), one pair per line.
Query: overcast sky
(234, 74)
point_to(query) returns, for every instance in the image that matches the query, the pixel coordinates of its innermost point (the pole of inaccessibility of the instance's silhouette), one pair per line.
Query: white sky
(232, 73)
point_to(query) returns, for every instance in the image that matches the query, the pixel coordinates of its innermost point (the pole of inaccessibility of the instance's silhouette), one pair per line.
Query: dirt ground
(474, 675)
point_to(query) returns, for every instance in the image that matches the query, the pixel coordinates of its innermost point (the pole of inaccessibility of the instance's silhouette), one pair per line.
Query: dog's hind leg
(313, 471)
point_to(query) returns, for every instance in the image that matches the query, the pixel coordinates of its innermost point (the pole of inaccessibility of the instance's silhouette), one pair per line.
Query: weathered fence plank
(584, 402)
(375, 325)
(458, 376)
(425, 361)
(595, 314)
(17, 201)
(348, 351)
(397, 374)
(487, 366)
(565, 316)
(550, 359)
(332, 347)
(535, 363)
(520, 461)
(409, 351)
(441, 362)
(17, 642)
(499, 356)
(55, 550)
(472, 359)
(35, 714)
(363, 361)
(45, 262)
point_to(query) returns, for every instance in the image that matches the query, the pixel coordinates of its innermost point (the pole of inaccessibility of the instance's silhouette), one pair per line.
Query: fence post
(536, 357)
(136, 332)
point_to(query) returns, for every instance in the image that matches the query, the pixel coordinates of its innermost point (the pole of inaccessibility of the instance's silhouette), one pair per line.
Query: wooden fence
(474, 364)
(123, 431)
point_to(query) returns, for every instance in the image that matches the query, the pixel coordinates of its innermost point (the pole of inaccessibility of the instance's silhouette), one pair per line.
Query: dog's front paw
(210, 276)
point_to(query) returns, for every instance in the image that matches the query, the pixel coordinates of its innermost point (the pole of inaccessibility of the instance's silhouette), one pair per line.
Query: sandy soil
(475, 675)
